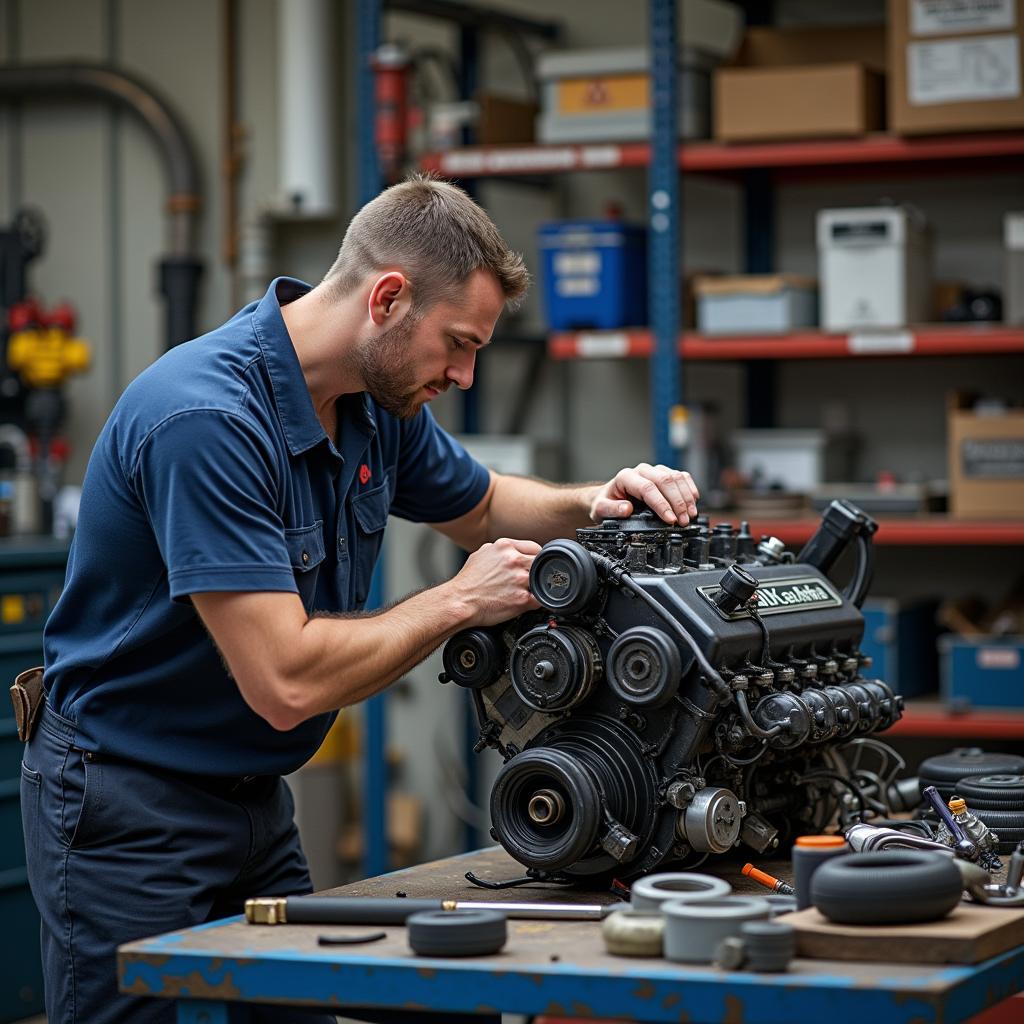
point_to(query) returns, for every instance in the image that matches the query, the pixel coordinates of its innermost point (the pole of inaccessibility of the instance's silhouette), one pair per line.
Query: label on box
(998, 657)
(944, 17)
(957, 70)
(880, 342)
(597, 346)
(603, 95)
(997, 458)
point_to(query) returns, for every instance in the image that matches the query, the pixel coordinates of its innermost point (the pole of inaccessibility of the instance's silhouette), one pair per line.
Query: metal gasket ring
(651, 891)
(463, 932)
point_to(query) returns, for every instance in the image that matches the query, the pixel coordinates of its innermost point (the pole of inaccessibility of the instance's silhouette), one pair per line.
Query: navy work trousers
(117, 852)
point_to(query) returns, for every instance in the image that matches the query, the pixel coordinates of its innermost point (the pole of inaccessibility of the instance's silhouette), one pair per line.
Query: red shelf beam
(937, 530)
(712, 157)
(937, 721)
(922, 341)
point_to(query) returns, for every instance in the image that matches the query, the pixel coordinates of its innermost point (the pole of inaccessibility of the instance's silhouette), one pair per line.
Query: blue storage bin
(594, 274)
(982, 671)
(900, 639)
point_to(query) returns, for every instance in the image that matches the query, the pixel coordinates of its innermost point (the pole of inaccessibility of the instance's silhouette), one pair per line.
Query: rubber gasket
(632, 932)
(651, 891)
(694, 928)
(887, 887)
(463, 932)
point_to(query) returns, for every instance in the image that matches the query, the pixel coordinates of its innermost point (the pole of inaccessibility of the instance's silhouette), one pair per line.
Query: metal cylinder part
(693, 929)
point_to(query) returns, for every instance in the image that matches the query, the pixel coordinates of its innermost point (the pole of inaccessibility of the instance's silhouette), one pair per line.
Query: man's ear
(390, 294)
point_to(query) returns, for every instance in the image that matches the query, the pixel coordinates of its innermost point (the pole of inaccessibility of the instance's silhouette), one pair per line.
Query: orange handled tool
(768, 881)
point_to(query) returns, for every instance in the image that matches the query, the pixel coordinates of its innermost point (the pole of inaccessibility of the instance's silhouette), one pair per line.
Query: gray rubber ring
(770, 945)
(634, 932)
(650, 892)
(457, 932)
(780, 904)
(693, 929)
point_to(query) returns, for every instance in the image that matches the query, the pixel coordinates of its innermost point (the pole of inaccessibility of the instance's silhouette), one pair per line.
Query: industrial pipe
(180, 270)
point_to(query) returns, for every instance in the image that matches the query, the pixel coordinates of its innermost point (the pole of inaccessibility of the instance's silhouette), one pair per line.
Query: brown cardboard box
(826, 101)
(945, 77)
(504, 121)
(986, 462)
(802, 83)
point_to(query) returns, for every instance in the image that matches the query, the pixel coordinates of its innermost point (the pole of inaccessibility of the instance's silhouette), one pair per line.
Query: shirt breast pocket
(305, 553)
(371, 511)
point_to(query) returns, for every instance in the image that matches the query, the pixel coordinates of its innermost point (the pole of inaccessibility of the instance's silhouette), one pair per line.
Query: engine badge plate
(775, 597)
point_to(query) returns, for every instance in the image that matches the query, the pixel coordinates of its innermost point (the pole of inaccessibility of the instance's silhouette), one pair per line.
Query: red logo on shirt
(364, 474)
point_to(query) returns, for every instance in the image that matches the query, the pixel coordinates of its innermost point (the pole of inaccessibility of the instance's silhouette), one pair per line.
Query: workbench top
(555, 967)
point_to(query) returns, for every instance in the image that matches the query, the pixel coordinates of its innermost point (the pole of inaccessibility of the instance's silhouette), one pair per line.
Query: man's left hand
(669, 493)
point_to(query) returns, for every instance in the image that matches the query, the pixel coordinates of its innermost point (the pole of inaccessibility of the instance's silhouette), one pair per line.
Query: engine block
(681, 692)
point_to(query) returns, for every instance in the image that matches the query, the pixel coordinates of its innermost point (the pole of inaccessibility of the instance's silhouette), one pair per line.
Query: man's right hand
(494, 582)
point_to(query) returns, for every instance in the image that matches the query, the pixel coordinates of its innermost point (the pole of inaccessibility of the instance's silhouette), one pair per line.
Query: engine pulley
(644, 667)
(563, 577)
(473, 658)
(712, 821)
(553, 668)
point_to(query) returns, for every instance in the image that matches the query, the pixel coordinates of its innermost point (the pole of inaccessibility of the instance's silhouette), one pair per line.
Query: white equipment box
(874, 268)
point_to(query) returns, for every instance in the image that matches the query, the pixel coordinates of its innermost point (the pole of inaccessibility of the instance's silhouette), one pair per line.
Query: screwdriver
(395, 910)
(768, 881)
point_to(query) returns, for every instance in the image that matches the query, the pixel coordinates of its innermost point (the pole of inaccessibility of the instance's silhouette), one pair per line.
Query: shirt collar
(302, 430)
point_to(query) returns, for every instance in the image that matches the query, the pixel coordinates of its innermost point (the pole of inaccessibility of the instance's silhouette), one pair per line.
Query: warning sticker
(954, 70)
(944, 17)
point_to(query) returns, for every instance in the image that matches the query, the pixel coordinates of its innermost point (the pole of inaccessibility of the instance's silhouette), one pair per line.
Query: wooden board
(970, 934)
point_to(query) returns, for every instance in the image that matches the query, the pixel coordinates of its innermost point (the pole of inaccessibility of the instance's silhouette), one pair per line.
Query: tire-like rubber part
(1007, 824)
(463, 932)
(964, 762)
(887, 887)
(995, 792)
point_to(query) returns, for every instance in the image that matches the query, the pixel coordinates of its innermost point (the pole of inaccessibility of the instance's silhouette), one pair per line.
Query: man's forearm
(340, 661)
(539, 511)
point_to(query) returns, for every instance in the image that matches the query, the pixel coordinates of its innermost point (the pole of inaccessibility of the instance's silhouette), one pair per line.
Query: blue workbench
(547, 967)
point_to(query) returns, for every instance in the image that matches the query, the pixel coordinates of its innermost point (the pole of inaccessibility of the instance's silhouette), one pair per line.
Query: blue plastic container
(982, 672)
(900, 639)
(594, 274)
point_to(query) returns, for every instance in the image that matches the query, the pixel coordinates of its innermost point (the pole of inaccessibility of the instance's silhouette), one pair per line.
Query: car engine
(682, 691)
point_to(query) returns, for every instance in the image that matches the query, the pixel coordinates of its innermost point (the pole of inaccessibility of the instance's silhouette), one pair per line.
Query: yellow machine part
(45, 357)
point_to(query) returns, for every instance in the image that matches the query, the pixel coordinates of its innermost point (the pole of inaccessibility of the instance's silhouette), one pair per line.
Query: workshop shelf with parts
(778, 245)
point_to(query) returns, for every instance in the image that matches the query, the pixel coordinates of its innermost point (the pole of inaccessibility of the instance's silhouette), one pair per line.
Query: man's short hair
(434, 233)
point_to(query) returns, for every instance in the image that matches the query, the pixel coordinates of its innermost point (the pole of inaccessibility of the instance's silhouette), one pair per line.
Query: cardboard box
(955, 65)
(802, 83)
(986, 462)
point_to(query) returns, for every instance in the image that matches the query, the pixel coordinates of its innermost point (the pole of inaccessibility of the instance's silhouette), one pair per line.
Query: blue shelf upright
(664, 234)
(375, 783)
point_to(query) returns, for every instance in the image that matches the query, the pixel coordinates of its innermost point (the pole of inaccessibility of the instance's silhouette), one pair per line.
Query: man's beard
(387, 372)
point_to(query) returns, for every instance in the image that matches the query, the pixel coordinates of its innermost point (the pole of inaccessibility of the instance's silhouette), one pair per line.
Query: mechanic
(209, 629)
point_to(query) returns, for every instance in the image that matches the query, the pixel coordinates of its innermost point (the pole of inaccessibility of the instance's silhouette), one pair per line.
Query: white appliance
(874, 268)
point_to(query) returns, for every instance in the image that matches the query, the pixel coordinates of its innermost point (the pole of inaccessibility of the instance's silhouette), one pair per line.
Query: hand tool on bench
(395, 910)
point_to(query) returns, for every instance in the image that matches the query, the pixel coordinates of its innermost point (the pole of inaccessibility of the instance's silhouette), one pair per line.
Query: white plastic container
(1013, 233)
(793, 459)
(874, 268)
(755, 304)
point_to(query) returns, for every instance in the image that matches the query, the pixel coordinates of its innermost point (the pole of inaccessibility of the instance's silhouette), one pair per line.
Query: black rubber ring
(464, 932)
(887, 887)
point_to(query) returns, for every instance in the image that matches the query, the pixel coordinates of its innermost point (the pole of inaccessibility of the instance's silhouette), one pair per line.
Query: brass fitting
(266, 910)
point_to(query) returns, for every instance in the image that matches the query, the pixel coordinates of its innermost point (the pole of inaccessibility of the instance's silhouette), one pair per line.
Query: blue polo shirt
(213, 473)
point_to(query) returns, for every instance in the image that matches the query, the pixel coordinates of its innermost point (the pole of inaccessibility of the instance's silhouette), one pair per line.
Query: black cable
(748, 719)
(836, 777)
